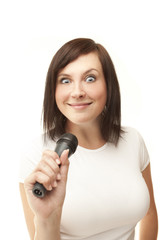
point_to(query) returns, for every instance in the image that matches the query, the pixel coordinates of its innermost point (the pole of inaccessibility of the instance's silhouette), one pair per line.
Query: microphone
(66, 141)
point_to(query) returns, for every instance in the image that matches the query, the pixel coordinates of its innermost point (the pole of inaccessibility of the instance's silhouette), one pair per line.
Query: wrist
(48, 228)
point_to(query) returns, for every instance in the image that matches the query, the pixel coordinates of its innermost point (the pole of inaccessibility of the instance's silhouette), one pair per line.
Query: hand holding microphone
(66, 141)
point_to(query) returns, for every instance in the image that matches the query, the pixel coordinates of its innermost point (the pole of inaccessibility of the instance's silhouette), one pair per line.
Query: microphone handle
(38, 189)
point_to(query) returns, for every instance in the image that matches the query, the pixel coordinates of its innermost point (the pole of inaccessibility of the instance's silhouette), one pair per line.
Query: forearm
(47, 229)
(149, 227)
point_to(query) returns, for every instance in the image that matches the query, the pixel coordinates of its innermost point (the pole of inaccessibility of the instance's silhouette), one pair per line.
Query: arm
(149, 224)
(48, 229)
(29, 216)
(39, 228)
(43, 215)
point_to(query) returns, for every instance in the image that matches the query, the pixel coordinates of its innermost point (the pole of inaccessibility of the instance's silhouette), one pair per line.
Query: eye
(65, 80)
(90, 79)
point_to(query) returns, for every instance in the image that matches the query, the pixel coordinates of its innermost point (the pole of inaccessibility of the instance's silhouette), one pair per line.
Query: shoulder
(135, 142)
(131, 134)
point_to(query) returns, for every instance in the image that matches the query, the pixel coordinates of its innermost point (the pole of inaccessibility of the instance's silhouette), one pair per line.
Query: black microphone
(66, 141)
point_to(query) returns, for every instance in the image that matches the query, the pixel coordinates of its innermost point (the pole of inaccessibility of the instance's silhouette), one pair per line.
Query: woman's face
(81, 91)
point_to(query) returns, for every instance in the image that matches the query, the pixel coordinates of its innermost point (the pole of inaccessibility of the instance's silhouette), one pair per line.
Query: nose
(78, 91)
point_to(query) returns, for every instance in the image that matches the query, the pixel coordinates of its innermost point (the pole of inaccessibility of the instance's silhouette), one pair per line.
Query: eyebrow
(90, 70)
(86, 72)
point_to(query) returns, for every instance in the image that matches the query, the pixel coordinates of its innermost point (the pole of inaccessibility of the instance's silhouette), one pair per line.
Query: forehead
(83, 63)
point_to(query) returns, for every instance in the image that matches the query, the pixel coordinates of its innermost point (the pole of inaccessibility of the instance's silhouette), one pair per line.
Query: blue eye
(90, 79)
(65, 80)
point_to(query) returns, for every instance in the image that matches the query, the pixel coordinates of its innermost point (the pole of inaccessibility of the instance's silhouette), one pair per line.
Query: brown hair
(53, 119)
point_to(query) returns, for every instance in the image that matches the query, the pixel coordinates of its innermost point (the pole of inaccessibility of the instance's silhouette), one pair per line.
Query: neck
(88, 136)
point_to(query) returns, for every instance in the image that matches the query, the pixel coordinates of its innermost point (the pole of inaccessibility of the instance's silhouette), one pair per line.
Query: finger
(45, 169)
(58, 177)
(50, 153)
(52, 163)
(64, 166)
(40, 178)
(64, 157)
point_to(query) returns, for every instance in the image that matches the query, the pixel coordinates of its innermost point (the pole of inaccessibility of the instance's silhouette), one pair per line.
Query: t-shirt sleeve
(144, 158)
(29, 159)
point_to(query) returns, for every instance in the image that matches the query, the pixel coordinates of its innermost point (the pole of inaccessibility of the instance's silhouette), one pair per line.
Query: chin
(82, 121)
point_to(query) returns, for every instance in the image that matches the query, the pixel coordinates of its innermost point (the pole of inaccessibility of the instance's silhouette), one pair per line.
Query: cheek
(60, 95)
(102, 98)
(100, 94)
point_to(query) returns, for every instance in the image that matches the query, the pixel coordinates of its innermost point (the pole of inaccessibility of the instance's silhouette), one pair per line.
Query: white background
(31, 32)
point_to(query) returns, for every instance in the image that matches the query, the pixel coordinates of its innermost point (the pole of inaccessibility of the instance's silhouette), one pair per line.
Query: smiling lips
(79, 105)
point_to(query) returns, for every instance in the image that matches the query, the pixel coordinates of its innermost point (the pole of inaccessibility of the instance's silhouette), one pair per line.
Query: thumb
(64, 157)
(64, 164)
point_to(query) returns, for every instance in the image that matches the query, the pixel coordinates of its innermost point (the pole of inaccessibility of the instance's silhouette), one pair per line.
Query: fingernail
(58, 161)
(58, 176)
(55, 184)
(66, 151)
(50, 188)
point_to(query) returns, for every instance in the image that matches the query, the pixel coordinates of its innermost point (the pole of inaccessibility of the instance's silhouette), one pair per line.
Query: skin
(81, 94)
(81, 90)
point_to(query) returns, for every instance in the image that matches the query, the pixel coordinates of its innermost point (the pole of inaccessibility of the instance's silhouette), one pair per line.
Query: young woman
(105, 187)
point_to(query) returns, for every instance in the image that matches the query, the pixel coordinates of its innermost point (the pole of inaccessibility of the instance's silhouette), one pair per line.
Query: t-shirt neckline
(93, 150)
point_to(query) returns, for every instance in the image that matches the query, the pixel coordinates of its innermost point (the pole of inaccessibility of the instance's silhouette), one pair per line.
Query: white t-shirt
(106, 194)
